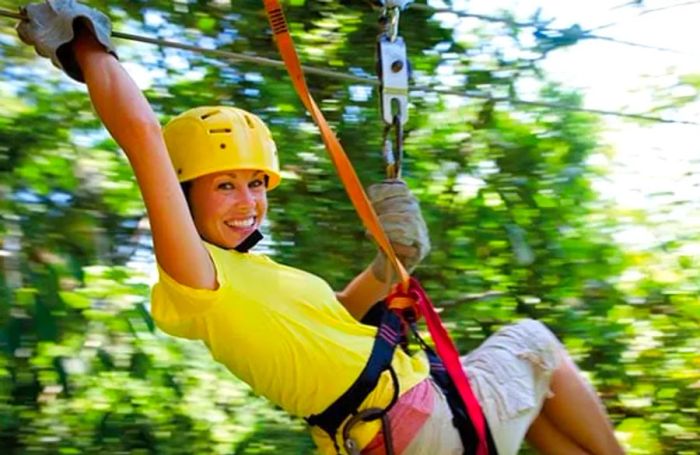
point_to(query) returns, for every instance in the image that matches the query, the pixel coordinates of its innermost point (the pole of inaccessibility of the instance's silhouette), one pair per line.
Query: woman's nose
(245, 197)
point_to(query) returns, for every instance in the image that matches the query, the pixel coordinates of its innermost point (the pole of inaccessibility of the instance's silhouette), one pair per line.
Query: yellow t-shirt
(282, 331)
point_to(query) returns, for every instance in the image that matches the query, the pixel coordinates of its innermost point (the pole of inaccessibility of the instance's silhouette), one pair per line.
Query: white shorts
(510, 374)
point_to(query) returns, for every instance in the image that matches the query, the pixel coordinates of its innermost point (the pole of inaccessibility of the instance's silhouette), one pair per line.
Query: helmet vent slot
(208, 114)
(249, 122)
(220, 130)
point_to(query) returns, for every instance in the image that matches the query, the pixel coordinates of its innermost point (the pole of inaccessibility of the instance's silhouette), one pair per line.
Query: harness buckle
(406, 305)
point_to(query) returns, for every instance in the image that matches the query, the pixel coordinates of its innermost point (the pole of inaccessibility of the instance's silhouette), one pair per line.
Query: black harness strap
(388, 336)
(460, 418)
(391, 332)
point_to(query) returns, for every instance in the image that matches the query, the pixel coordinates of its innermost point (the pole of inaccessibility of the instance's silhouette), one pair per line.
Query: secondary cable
(264, 61)
(585, 34)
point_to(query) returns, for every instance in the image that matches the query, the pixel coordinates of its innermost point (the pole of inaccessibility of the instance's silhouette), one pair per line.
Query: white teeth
(248, 222)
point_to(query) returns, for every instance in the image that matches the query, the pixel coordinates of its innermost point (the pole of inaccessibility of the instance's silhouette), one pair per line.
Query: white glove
(50, 28)
(399, 213)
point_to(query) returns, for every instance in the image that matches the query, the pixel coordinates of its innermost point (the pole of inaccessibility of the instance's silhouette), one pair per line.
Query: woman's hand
(51, 28)
(400, 215)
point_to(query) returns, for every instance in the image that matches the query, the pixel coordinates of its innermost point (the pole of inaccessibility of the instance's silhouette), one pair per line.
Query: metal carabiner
(366, 416)
(390, 21)
(393, 151)
(401, 4)
(370, 414)
(393, 72)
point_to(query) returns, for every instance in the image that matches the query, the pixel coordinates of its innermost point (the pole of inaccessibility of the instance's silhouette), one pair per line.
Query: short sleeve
(180, 310)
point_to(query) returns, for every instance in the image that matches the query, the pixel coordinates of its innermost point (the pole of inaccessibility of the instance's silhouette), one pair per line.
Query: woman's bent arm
(362, 293)
(130, 120)
(372, 284)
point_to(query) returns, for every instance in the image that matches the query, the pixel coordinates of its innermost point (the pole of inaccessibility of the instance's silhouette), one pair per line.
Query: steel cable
(371, 81)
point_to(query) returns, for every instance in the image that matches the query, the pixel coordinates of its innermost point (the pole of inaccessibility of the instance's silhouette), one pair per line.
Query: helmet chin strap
(249, 242)
(243, 247)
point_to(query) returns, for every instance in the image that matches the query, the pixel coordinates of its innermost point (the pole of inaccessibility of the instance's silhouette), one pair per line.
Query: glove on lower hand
(399, 213)
(50, 28)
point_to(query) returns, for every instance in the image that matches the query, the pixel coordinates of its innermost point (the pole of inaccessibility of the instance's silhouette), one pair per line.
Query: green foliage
(517, 232)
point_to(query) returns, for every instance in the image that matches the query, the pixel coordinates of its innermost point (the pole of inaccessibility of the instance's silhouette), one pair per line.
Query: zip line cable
(667, 7)
(583, 34)
(633, 44)
(646, 11)
(464, 14)
(217, 53)
(264, 61)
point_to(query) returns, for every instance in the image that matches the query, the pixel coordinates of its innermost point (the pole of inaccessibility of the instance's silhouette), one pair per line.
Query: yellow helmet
(211, 139)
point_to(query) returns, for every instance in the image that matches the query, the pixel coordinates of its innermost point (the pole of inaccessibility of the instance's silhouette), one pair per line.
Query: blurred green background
(506, 189)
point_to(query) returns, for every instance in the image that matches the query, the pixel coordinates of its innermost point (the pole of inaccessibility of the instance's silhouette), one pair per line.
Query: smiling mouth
(241, 224)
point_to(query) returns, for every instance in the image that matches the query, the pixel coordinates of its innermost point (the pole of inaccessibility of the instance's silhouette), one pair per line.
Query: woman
(204, 180)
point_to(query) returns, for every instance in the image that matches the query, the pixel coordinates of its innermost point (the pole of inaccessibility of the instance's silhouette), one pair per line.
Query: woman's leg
(549, 440)
(511, 374)
(577, 412)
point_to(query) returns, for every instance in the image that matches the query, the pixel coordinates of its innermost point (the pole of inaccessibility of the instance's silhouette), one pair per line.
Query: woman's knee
(544, 349)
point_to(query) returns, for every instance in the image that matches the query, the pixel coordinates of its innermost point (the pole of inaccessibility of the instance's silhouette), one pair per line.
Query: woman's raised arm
(130, 120)
(77, 39)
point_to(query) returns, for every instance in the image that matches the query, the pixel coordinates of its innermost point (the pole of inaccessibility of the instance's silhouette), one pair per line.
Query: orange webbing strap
(340, 160)
(409, 293)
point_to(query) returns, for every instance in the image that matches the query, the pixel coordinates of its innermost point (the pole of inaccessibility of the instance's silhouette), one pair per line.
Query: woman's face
(228, 206)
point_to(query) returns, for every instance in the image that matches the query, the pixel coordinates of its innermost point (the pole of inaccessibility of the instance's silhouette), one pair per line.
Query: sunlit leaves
(516, 229)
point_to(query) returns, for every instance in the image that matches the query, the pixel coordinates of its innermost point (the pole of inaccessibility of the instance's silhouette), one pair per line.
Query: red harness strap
(449, 355)
(408, 293)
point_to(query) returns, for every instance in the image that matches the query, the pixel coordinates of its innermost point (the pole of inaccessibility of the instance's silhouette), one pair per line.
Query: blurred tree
(516, 228)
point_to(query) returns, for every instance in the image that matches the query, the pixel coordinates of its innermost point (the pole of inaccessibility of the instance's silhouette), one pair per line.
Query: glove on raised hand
(399, 213)
(50, 28)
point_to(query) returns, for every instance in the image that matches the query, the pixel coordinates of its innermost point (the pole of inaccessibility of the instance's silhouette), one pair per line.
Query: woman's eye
(256, 183)
(225, 186)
